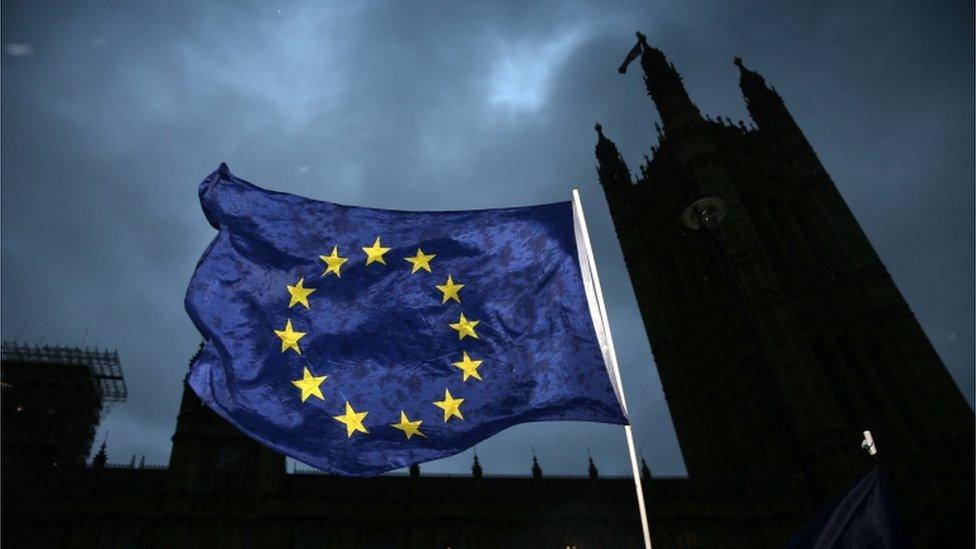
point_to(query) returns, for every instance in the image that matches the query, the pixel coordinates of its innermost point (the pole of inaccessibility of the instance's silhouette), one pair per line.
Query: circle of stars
(310, 384)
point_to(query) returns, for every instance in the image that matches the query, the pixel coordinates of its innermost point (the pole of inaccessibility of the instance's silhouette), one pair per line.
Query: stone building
(778, 335)
(53, 399)
(777, 332)
(221, 489)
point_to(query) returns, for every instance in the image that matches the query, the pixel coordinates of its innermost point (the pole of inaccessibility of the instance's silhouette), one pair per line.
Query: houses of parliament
(778, 336)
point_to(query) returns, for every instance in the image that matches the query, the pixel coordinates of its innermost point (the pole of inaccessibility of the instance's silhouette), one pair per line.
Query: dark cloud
(112, 113)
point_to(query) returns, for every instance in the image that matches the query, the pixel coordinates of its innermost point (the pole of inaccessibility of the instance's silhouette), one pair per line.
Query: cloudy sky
(113, 112)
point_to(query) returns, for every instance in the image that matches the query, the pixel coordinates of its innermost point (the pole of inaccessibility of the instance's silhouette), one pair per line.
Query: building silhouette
(778, 335)
(777, 332)
(53, 399)
(222, 489)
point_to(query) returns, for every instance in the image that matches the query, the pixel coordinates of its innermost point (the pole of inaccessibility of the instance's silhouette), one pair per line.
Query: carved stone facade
(778, 334)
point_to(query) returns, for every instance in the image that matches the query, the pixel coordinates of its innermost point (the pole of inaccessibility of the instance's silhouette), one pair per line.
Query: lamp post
(706, 214)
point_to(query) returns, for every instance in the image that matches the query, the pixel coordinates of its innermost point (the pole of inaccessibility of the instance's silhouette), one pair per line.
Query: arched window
(786, 228)
(867, 383)
(690, 268)
(748, 423)
(761, 225)
(899, 388)
(723, 434)
(841, 385)
(676, 285)
(815, 245)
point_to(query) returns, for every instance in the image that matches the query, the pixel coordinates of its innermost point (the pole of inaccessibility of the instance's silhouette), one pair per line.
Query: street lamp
(705, 211)
(708, 213)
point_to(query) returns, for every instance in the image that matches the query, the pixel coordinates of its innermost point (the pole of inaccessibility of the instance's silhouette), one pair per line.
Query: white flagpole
(612, 354)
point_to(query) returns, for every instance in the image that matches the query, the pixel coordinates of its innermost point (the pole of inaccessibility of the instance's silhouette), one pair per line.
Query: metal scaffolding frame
(104, 365)
(53, 400)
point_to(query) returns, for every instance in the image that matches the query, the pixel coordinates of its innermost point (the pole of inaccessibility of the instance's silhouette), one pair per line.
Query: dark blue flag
(863, 518)
(360, 340)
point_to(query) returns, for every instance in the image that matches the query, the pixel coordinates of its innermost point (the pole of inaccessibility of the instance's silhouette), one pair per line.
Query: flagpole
(628, 432)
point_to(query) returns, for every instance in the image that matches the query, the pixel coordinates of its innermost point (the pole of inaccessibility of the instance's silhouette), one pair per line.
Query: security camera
(868, 443)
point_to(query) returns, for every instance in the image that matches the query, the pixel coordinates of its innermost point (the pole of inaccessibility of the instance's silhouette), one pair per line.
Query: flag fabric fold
(360, 340)
(864, 517)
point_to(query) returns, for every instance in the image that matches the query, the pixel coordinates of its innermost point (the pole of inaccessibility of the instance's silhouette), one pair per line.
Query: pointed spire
(536, 470)
(197, 354)
(645, 470)
(98, 462)
(764, 104)
(476, 471)
(142, 462)
(592, 470)
(666, 88)
(414, 470)
(645, 165)
(132, 462)
(610, 165)
(748, 79)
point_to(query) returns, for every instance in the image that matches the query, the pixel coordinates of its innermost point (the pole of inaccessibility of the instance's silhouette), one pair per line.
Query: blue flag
(864, 517)
(360, 340)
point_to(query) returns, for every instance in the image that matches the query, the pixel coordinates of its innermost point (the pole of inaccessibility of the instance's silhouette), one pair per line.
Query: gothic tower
(777, 332)
(210, 455)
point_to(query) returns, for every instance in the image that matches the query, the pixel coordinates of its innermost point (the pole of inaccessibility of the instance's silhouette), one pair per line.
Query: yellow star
(409, 428)
(450, 290)
(374, 253)
(450, 405)
(299, 294)
(333, 262)
(353, 420)
(309, 385)
(420, 261)
(465, 327)
(469, 367)
(289, 338)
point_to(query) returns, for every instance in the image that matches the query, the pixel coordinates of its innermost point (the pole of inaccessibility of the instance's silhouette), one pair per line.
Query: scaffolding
(53, 400)
(104, 365)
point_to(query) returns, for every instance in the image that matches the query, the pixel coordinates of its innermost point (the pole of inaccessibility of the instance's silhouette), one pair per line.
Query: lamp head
(705, 211)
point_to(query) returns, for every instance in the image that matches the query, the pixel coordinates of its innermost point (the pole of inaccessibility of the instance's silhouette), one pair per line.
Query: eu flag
(864, 517)
(361, 340)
